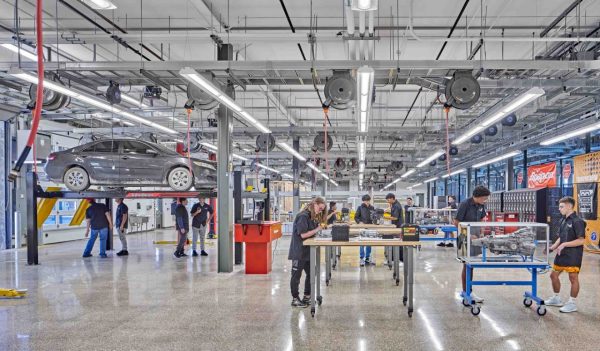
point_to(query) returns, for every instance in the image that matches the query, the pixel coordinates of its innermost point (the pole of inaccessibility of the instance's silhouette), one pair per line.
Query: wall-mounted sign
(541, 176)
(587, 200)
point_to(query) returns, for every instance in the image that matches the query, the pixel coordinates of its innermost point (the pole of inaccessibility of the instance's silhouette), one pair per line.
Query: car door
(101, 160)
(140, 163)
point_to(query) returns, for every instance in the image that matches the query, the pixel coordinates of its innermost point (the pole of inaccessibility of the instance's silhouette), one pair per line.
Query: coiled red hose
(39, 99)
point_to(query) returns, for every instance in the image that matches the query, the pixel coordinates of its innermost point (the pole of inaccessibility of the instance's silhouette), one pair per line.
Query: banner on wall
(541, 176)
(587, 200)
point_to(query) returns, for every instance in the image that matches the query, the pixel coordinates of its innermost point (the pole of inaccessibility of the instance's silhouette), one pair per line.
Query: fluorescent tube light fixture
(430, 158)
(364, 95)
(570, 135)
(215, 148)
(89, 100)
(430, 180)
(291, 151)
(514, 105)
(496, 159)
(102, 4)
(204, 84)
(27, 54)
(453, 173)
(364, 5)
(408, 173)
(134, 101)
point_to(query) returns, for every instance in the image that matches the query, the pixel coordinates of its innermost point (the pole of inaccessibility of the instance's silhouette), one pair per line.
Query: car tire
(76, 179)
(180, 179)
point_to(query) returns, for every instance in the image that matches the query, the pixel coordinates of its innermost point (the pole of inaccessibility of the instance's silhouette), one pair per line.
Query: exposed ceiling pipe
(361, 32)
(350, 30)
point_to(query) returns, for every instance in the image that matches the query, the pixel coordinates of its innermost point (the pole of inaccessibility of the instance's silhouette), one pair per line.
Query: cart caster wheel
(397, 282)
(410, 313)
(320, 300)
(390, 267)
(475, 310)
(327, 282)
(465, 303)
(394, 275)
(312, 312)
(541, 310)
(527, 302)
(333, 267)
(404, 299)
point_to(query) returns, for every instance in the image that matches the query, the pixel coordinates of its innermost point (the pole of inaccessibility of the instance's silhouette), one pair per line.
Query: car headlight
(204, 165)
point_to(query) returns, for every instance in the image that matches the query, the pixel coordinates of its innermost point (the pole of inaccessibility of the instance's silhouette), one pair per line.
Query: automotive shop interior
(299, 175)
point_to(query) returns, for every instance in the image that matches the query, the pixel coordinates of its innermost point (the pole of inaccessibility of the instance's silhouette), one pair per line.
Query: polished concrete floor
(152, 301)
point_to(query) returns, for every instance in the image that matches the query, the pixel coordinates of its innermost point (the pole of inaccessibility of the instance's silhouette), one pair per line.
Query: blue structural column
(468, 189)
(5, 237)
(509, 179)
(524, 183)
(296, 175)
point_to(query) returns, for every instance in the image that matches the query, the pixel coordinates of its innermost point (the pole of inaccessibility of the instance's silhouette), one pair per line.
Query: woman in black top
(332, 213)
(306, 225)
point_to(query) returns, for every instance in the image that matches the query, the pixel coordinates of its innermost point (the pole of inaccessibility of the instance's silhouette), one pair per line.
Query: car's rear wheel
(76, 179)
(180, 179)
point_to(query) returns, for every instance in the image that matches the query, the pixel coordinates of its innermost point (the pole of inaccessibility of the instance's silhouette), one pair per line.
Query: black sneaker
(194, 253)
(123, 253)
(298, 303)
(203, 253)
(88, 255)
(177, 254)
(449, 245)
(306, 300)
(183, 254)
(441, 244)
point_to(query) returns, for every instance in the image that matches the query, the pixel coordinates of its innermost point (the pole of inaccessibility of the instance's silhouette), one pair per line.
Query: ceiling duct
(199, 98)
(509, 120)
(265, 143)
(53, 100)
(319, 142)
(491, 131)
(453, 150)
(340, 90)
(462, 91)
(476, 139)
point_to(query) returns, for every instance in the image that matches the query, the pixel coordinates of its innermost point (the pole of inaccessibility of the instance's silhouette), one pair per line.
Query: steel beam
(296, 175)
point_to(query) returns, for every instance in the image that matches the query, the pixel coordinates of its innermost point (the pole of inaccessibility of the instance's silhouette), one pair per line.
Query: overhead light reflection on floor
(501, 332)
(362, 345)
(157, 254)
(432, 334)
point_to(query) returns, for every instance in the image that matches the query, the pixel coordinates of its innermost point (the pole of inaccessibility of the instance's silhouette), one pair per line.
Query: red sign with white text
(520, 177)
(566, 171)
(541, 176)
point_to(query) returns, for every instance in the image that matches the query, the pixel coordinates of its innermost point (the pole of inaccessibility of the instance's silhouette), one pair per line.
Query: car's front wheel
(76, 179)
(180, 179)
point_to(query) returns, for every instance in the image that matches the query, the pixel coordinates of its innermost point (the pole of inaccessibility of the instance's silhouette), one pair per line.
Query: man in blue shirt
(182, 225)
(99, 220)
(121, 221)
(201, 216)
(363, 215)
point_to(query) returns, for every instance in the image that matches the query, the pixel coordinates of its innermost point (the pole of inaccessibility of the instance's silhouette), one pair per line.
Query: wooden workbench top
(355, 242)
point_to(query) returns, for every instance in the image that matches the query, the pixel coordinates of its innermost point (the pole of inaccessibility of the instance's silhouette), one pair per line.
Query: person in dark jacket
(306, 225)
(363, 215)
(182, 224)
(451, 206)
(396, 216)
(569, 254)
(471, 210)
(408, 215)
(332, 213)
(99, 220)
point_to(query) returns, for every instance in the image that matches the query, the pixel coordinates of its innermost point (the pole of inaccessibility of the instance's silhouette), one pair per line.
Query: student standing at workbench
(363, 215)
(99, 220)
(396, 216)
(569, 254)
(332, 213)
(306, 225)
(471, 210)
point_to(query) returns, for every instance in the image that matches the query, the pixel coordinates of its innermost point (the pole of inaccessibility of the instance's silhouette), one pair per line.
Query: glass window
(108, 146)
(134, 147)
(65, 219)
(51, 220)
(66, 205)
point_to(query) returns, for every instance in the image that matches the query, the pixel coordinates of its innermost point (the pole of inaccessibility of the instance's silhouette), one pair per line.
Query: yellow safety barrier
(45, 206)
(12, 293)
(79, 215)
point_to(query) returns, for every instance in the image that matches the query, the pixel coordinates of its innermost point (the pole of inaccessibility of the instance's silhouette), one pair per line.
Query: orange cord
(189, 149)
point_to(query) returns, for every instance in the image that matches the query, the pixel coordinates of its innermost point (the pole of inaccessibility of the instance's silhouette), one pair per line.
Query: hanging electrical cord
(189, 149)
(39, 99)
(326, 115)
(447, 111)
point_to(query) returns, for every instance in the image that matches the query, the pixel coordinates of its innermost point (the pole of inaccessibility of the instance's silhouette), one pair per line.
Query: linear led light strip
(27, 54)
(365, 93)
(496, 159)
(517, 103)
(430, 180)
(414, 186)
(202, 83)
(325, 176)
(214, 148)
(402, 176)
(88, 100)
(453, 173)
(572, 134)
(134, 101)
(430, 158)
(291, 151)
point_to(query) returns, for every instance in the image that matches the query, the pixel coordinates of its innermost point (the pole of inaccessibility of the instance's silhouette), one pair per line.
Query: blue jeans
(362, 252)
(90, 244)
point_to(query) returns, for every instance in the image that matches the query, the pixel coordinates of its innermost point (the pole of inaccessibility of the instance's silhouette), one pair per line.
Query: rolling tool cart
(521, 249)
(434, 224)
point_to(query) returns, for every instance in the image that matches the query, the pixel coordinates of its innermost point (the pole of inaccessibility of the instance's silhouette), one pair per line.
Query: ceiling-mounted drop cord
(39, 99)
(189, 149)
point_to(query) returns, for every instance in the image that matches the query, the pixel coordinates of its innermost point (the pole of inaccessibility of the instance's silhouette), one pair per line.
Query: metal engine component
(319, 142)
(462, 91)
(265, 142)
(340, 90)
(521, 242)
(369, 233)
(377, 216)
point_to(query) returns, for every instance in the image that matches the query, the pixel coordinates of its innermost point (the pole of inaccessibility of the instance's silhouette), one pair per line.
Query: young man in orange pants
(569, 254)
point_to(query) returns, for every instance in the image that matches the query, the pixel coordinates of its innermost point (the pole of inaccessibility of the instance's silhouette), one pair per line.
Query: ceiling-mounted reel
(319, 142)
(199, 98)
(53, 100)
(113, 93)
(265, 143)
(147, 136)
(339, 164)
(340, 90)
(463, 90)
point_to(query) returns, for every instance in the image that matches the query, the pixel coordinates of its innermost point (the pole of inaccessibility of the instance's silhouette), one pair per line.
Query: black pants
(181, 240)
(297, 268)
